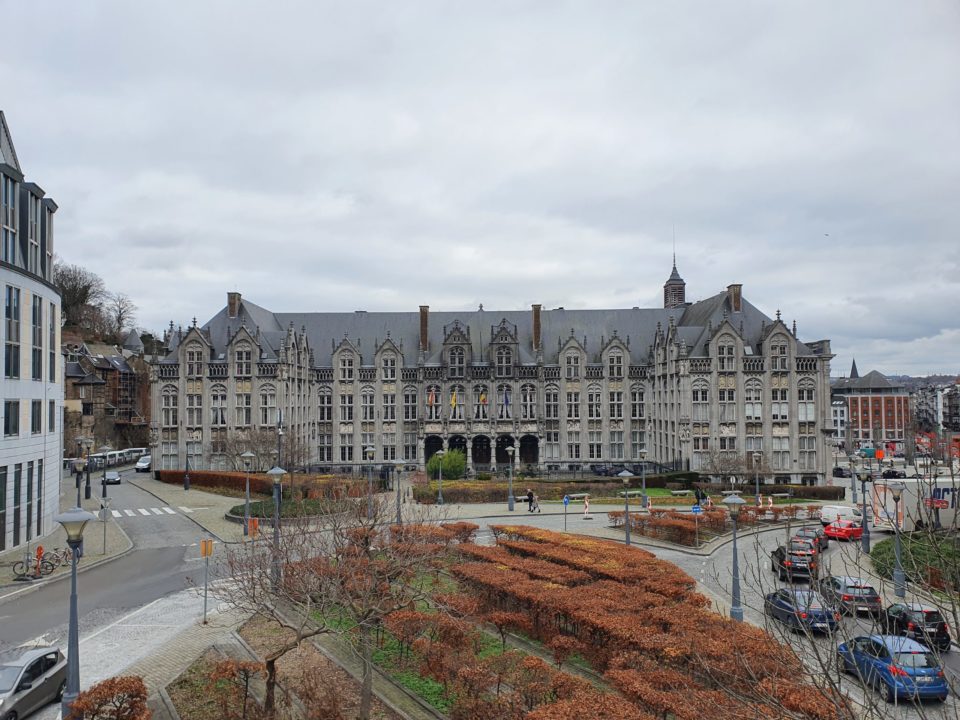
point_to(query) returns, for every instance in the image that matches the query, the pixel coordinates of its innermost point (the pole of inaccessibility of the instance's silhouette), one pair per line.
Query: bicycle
(59, 556)
(22, 568)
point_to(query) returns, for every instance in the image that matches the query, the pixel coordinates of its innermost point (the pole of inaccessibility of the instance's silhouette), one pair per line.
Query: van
(143, 464)
(832, 513)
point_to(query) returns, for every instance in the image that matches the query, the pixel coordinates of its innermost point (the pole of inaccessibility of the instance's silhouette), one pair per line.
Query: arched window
(753, 401)
(504, 362)
(346, 367)
(701, 401)
(726, 355)
(325, 400)
(218, 405)
(458, 398)
(409, 403)
(456, 364)
(636, 403)
(169, 401)
(268, 406)
(243, 361)
(367, 409)
(480, 402)
(388, 367)
(551, 403)
(727, 402)
(594, 403)
(615, 365)
(434, 401)
(573, 365)
(504, 400)
(779, 354)
(528, 402)
(806, 401)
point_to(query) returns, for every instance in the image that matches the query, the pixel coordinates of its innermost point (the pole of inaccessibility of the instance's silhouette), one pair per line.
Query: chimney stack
(536, 328)
(424, 327)
(735, 295)
(233, 304)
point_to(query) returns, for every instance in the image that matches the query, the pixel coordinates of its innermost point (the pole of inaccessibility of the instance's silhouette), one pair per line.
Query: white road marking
(186, 509)
(169, 511)
(156, 511)
(130, 513)
(117, 513)
(143, 512)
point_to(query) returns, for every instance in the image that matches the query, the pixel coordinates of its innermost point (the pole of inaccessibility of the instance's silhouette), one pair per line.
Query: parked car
(842, 472)
(851, 594)
(801, 609)
(35, 678)
(844, 530)
(143, 464)
(112, 477)
(893, 474)
(831, 513)
(601, 470)
(815, 535)
(922, 623)
(792, 565)
(899, 666)
(804, 545)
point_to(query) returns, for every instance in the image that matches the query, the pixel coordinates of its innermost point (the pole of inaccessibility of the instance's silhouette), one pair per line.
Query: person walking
(536, 502)
(529, 500)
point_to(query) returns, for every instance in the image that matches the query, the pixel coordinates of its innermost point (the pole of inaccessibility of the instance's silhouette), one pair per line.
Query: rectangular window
(52, 362)
(551, 407)
(346, 369)
(701, 405)
(346, 446)
(779, 359)
(17, 480)
(195, 363)
(638, 442)
(11, 348)
(573, 406)
(552, 445)
(389, 451)
(367, 409)
(389, 368)
(780, 405)
(636, 404)
(728, 405)
(325, 448)
(593, 406)
(29, 505)
(616, 406)
(409, 405)
(410, 446)
(728, 444)
(36, 417)
(573, 445)
(726, 358)
(3, 508)
(389, 406)
(11, 418)
(616, 445)
(51, 416)
(244, 409)
(268, 407)
(594, 445)
(780, 455)
(346, 407)
(573, 366)
(36, 356)
(218, 409)
(244, 360)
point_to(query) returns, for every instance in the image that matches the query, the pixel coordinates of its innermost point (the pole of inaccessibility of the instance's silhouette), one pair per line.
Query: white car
(143, 464)
(831, 513)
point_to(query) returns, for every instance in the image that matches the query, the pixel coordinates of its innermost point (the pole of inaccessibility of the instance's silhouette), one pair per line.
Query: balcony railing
(806, 364)
(408, 374)
(701, 365)
(323, 374)
(266, 369)
(368, 374)
(527, 372)
(171, 371)
(217, 370)
(753, 364)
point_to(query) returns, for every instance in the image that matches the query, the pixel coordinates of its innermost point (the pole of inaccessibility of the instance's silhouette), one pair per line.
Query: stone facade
(716, 386)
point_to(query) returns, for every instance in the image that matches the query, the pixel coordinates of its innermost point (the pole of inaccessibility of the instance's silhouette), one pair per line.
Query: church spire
(853, 370)
(675, 289)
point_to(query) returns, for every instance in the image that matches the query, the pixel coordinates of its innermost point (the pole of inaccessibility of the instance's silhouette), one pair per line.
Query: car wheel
(782, 575)
(10, 716)
(60, 690)
(890, 696)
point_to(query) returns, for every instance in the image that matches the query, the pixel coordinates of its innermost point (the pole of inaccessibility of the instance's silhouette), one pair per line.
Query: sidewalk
(208, 508)
(117, 541)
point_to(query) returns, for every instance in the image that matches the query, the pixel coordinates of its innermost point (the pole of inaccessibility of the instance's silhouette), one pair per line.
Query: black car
(843, 472)
(894, 474)
(801, 609)
(922, 623)
(601, 470)
(851, 594)
(814, 534)
(793, 565)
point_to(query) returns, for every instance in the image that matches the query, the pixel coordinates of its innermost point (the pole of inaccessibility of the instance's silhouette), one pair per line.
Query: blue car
(801, 609)
(898, 666)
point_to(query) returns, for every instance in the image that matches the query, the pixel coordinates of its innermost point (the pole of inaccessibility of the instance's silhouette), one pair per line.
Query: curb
(34, 586)
(189, 517)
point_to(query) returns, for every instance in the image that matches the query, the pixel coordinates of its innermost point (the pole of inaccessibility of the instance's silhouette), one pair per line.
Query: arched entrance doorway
(503, 442)
(481, 451)
(431, 444)
(529, 450)
(457, 442)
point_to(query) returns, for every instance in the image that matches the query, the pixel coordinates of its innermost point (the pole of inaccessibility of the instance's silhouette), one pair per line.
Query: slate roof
(133, 342)
(696, 323)
(873, 380)
(8, 155)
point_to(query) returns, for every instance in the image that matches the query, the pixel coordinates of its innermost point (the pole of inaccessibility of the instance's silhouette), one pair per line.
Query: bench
(679, 493)
(631, 493)
(730, 492)
(780, 495)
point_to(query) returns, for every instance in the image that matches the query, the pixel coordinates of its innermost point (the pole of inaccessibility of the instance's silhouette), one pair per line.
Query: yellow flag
(453, 400)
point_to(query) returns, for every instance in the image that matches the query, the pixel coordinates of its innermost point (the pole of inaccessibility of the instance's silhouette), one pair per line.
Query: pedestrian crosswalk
(162, 511)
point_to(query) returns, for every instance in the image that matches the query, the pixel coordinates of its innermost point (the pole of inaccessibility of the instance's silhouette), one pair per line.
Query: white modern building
(30, 449)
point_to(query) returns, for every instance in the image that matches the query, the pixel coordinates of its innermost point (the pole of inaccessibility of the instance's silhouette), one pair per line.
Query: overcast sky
(360, 155)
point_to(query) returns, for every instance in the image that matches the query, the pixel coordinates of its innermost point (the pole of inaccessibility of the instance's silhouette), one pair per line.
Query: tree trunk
(269, 697)
(366, 687)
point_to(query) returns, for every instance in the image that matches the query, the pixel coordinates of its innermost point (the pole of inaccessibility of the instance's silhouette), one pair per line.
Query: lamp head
(863, 475)
(511, 450)
(643, 454)
(734, 503)
(625, 475)
(276, 474)
(440, 453)
(73, 522)
(369, 452)
(247, 458)
(896, 489)
(756, 457)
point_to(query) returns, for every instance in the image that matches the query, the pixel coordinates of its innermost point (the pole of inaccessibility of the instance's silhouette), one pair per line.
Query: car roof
(898, 643)
(847, 580)
(29, 656)
(920, 607)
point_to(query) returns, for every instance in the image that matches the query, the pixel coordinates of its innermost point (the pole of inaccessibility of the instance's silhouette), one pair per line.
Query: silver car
(29, 682)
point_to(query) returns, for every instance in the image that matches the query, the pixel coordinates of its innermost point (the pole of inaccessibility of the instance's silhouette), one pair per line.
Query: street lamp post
(396, 481)
(439, 454)
(369, 453)
(643, 480)
(73, 522)
(104, 449)
(864, 477)
(625, 475)
(247, 457)
(87, 443)
(510, 451)
(853, 478)
(756, 474)
(79, 471)
(899, 579)
(276, 474)
(733, 503)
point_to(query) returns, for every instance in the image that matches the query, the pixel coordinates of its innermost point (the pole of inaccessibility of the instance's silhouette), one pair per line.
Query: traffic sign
(206, 548)
(566, 500)
(696, 509)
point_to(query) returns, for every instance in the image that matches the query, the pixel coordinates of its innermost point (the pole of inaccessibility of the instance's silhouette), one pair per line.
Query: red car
(843, 530)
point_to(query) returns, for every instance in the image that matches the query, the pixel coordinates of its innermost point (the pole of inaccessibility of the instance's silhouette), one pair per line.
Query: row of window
(11, 417)
(26, 482)
(12, 348)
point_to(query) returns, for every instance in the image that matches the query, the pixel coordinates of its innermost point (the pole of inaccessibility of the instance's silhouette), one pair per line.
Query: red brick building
(878, 411)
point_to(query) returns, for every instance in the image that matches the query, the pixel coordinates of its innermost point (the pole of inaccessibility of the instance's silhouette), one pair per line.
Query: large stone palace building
(713, 385)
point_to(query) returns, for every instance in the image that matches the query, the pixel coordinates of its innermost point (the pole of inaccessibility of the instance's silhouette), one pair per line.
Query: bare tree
(121, 311)
(80, 290)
